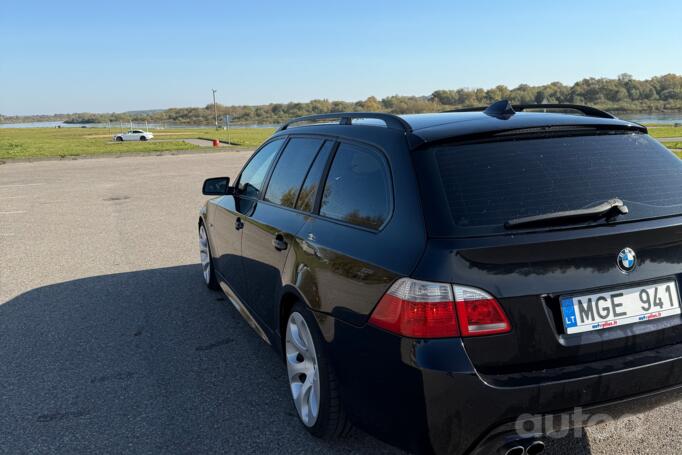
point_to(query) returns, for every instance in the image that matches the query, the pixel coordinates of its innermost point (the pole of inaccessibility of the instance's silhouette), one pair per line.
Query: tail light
(417, 309)
(420, 309)
(479, 313)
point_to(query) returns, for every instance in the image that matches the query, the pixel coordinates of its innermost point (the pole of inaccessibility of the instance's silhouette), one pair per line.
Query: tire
(143, 138)
(330, 421)
(119, 139)
(207, 259)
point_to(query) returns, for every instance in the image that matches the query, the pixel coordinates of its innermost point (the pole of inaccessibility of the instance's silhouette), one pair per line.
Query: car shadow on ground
(148, 362)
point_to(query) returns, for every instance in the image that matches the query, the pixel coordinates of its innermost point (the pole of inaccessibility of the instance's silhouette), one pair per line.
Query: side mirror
(218, 186)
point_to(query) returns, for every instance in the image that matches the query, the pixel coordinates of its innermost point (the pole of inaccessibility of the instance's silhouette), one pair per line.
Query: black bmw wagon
(434, 278)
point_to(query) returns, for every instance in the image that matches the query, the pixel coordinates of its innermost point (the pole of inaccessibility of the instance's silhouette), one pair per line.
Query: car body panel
(528, 273)
(226, 242)
(261, 259)
(337, 283)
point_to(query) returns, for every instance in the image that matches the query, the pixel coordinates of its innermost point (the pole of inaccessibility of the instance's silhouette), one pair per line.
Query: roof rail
(586, 110)
(346, 118)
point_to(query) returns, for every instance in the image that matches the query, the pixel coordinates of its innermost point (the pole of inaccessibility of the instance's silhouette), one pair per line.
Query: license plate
(602, 310)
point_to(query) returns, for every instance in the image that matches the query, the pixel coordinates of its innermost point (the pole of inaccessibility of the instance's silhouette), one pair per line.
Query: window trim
(334, 144)
(323, 179)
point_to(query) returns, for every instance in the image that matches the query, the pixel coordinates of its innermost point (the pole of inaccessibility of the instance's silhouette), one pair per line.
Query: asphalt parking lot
(110, 342)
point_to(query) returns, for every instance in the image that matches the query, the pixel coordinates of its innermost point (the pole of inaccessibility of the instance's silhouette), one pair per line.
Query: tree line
(620, 95)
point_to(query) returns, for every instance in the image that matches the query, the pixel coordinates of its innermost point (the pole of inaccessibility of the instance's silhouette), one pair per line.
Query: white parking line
(20, 184)
(12, 197)
(6, 234)
(13, 212)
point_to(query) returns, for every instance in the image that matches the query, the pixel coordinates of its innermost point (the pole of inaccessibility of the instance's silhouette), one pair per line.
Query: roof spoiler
(505, 109)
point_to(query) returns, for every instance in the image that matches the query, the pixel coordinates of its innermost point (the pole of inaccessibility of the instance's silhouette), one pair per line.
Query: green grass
(64, 142)
(243, 137)
(665, 131)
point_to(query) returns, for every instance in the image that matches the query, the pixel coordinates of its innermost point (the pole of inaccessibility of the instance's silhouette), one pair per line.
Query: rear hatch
(472, 189)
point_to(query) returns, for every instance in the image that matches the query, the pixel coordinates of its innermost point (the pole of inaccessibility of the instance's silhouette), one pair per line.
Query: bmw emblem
(627, 260)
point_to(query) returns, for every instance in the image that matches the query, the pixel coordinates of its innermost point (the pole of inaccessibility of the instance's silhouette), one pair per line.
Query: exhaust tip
(516, 450)
(535, 448)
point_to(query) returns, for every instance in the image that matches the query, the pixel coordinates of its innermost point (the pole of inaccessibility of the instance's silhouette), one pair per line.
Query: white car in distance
(133, 135)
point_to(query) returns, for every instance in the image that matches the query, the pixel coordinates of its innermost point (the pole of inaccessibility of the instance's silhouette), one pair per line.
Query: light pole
(215, 109)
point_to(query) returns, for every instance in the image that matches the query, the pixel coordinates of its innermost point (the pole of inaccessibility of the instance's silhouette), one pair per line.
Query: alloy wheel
(302, 369)
(204, 254)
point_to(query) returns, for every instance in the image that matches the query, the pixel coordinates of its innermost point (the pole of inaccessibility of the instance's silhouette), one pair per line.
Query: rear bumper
(559, 423)
(426, 396)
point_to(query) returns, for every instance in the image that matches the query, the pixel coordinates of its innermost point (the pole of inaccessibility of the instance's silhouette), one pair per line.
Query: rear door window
(486, 184)
(253, 176)
(357, 189)
(290, 170)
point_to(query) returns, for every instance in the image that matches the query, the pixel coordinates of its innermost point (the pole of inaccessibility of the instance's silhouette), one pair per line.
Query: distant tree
(671, 94)
(541, 97)
(500, 92)
(371, 104)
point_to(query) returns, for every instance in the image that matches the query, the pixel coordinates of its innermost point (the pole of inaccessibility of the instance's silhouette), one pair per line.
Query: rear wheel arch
(323, 321)
(290, 295)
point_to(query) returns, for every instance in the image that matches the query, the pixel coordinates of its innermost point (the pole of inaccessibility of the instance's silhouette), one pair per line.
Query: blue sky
(74, 56)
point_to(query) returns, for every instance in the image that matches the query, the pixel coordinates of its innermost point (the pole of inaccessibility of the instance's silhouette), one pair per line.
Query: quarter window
(253, 175)
(290, 171)
(357, 188)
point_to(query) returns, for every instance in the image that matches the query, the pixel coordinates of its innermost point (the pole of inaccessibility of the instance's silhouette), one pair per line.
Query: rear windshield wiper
(612, 206)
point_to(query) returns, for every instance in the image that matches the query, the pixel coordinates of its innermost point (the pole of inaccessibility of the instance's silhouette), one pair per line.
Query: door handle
(238, 224)
(279, 243)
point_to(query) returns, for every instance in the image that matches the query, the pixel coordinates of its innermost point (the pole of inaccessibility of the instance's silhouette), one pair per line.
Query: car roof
(432, 127)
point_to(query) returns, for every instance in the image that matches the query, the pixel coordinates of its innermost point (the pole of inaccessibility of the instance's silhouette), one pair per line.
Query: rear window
(486, 184)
